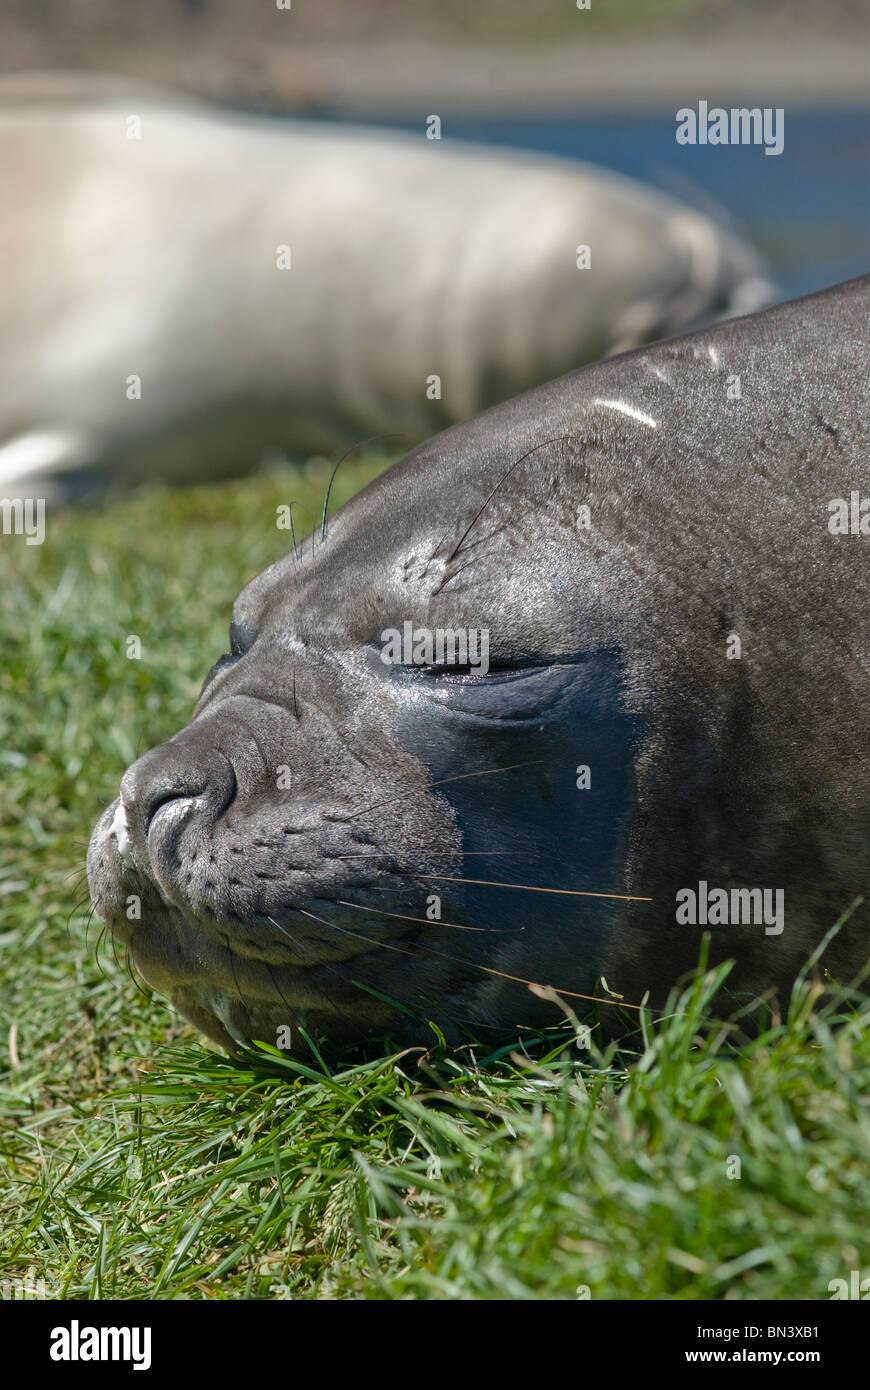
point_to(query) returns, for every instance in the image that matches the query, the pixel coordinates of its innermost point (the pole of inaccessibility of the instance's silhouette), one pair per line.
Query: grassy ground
(703, 1161)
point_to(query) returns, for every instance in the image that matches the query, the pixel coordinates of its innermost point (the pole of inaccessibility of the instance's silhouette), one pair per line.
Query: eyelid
(468, 675)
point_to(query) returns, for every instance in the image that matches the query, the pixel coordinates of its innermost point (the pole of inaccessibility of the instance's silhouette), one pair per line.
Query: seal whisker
(531, 888)
(76, 875)
(412, 1008)
(293, 533)
(284, 930)
(89, 922)
(503, 479)
(128, 965)
(449, 578)
(277, 986)
(403, 917)
(458, 777)
(472, 965)
(480, 541)
(373, 439)
(108, 935)
(326, 498)
(97, 949)
(77, 907)
(235, 977)
(445, 854)
(328, 966)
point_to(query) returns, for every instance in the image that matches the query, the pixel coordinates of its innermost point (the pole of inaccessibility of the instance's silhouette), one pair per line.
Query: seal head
(360, 832)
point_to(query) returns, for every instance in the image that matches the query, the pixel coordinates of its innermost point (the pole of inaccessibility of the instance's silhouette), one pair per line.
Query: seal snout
(169, 790)
(157, 779)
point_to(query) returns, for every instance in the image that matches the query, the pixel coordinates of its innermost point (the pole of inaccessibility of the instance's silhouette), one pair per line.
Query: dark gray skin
(709, 516)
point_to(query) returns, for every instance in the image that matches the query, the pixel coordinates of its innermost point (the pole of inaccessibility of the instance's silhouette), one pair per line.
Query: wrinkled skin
(265, 905)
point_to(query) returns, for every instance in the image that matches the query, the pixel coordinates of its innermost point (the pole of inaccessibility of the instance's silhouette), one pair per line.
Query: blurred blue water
(807, 209)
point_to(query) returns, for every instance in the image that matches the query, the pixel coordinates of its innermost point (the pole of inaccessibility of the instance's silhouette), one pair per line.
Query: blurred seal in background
(185, 290)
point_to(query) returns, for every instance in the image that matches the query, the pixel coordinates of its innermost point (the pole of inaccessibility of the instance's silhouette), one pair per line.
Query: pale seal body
(219, 286)
(738, 765)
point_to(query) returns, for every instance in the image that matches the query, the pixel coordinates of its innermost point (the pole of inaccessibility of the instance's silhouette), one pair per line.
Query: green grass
(134, 1162)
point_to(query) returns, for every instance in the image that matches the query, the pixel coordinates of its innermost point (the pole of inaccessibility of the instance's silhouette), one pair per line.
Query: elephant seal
(675, 706)
(187, 290)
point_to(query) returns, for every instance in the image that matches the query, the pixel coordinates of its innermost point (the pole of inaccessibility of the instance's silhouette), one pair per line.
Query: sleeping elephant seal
(185, 290)
(657, 724)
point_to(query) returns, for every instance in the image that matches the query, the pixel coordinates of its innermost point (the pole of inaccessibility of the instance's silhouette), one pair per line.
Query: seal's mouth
(236, 903)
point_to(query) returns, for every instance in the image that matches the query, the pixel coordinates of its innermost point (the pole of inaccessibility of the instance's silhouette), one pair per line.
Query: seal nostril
(155, 802)
(171, 773)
